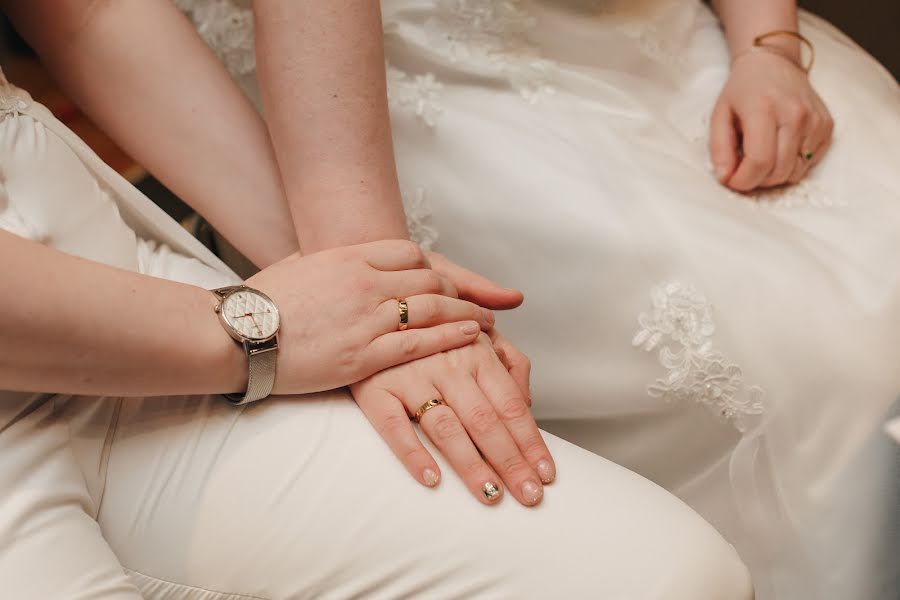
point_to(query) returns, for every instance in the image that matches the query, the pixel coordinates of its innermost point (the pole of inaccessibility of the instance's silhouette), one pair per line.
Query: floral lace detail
(651, 45)
(227, 28)
(681, 326)
(418, 218)
(418, 93)
(10, 102)
(492, 35)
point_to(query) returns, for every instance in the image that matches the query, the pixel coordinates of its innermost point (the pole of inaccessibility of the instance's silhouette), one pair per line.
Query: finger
(400, 347)
(818, 155)
(518, 365)
(393, 255)
(759, 150)
(787, 156)
(410, 282)
(388, 416)
(508, 401)
(794, 128)
(818, 141)
(475, 288)
(429, 310)
(799, 170)
(443, 427)
(723, 141)
(495, 442)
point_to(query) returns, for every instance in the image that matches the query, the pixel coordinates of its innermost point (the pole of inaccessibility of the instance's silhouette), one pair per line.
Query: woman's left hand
(769, 126)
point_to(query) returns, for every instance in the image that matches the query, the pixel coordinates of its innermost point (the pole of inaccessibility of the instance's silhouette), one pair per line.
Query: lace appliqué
(227, 28)
(418, 218)
(492, 35)
(681, 326)
(10, 103)
(417, 93)
(651, 44)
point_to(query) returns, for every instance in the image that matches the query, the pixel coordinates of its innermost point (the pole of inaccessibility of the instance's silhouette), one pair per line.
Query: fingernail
(721, 172)
(491, 491)
(430, 477)
(470, 328)
(489, 316)
(532, 492)
(546, 471)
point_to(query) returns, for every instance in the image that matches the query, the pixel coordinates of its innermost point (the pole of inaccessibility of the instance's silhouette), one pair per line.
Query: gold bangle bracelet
(759, 45)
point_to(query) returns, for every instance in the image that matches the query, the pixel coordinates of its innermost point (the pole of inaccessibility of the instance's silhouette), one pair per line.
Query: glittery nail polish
(546, 471)
(532, 492)
(430, 478)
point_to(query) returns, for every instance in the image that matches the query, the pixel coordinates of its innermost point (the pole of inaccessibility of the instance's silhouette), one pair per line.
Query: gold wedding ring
(404, 314)
(426, 407)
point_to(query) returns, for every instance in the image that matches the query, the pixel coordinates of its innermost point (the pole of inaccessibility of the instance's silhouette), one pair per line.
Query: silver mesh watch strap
(262, 371)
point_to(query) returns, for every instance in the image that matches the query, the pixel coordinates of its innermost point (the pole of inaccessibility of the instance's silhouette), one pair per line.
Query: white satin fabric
(742, 351)
(191, 498)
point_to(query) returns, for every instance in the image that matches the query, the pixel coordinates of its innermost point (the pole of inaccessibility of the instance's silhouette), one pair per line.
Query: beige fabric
(192, 498)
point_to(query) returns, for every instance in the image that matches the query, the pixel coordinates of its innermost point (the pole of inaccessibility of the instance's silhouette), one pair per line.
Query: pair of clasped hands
(340, 326)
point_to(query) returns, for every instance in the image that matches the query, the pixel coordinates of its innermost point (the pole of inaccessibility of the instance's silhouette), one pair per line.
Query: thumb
(723, 141)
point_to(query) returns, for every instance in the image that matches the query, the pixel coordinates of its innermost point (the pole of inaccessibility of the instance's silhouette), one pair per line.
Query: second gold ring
(426, 407)
(404, 314)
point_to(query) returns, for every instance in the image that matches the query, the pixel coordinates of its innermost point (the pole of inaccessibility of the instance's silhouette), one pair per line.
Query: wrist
(221, 359)
(784, 43)
(763, 53)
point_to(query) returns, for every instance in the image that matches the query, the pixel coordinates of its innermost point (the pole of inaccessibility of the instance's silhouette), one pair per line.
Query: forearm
(140, 71)
(86, 328)
(321, 72)
(743, 20)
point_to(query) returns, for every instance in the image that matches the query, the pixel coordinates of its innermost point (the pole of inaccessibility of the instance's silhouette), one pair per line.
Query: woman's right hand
(340, 313)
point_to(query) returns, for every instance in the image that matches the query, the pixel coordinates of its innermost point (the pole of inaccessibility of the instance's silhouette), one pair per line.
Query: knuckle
(514, 408)
(348, 360)
(482, 419)
(412, 454)
(364, 284)
(413, 252)
(756, 160)
(533, 445)
(446, 427)
(513, 464)
(797, 114)
(816, 122)
(431, 308)
(473, 467)
(392, 425)
(433, 282)
(410, 344)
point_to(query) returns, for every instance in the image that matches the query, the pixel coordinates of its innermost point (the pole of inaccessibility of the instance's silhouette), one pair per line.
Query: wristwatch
(251, 318)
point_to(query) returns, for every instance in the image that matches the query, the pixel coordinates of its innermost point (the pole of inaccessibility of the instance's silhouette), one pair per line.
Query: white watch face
(251, 314)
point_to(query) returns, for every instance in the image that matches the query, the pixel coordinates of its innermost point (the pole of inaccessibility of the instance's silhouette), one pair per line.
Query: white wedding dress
(744, 352)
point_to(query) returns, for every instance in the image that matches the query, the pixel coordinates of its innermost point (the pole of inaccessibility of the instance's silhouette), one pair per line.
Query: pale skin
(83, 42)
(115, 336)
